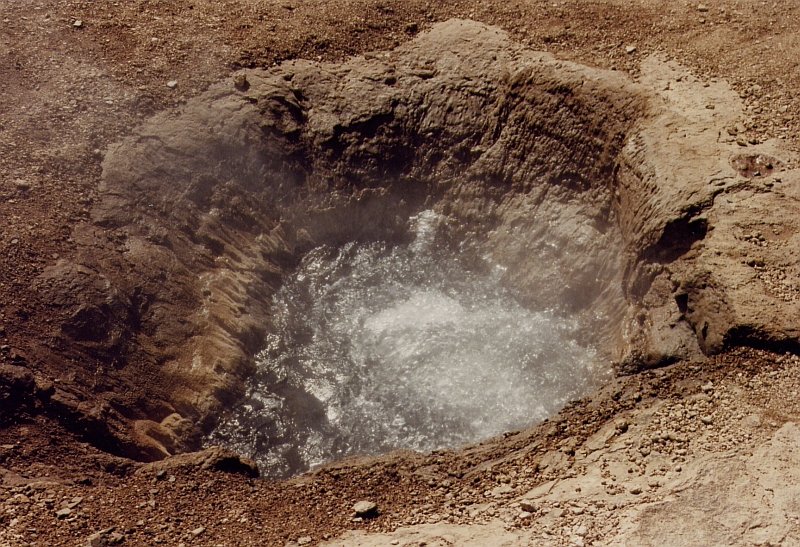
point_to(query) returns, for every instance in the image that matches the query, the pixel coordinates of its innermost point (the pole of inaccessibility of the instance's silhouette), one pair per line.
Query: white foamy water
(379, 347)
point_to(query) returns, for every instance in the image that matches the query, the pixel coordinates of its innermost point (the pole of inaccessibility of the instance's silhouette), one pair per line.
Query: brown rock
(213, 458)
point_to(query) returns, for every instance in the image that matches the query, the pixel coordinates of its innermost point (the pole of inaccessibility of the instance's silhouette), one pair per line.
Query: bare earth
(700, 452)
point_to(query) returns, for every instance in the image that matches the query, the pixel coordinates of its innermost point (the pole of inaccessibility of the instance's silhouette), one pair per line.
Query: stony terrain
(700, 452)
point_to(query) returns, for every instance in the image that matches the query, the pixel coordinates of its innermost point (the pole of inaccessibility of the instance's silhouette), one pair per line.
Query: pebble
(78, 23)
(365, 508)
(240, 82)
(172, 84)
(305, 540)
(630, 49)
(199, 530)
(63, 513)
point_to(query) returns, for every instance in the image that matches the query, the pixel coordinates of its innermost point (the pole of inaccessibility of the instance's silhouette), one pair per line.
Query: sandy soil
(77, 76)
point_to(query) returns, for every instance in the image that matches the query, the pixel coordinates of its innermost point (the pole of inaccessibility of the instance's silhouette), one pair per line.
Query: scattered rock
(305, 540)
(365, 509)
(702, 8)
(197, 531)
(74, 503)
(104, 538)
(77, 23)
(172, 84)
(630, 49)
(63, 513)
(240, 82)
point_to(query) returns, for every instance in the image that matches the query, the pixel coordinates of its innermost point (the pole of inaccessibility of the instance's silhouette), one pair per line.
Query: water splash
(378, 347)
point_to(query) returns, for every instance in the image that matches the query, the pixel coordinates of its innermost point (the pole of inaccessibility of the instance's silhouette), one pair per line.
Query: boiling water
(378, 347)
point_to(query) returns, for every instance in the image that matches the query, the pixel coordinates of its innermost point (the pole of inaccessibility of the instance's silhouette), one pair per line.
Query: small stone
(197, 531)
(524, 515)
(527, 506)
(74, 503)
(365, 508)
(172, 84)
(240, 82)
(702, 8)
(21, 498)
(77, 23)
(577, 541)
(630, 49)
(96, 540)
(102, 538)
(161, 475)
(63, 513)
(635, 490)
(305, 540)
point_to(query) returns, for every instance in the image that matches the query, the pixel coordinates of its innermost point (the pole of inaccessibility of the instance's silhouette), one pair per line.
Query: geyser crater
(376, 346)
(621, 206)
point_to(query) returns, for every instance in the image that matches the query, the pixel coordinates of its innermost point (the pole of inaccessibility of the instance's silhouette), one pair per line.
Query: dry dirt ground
(698, 453)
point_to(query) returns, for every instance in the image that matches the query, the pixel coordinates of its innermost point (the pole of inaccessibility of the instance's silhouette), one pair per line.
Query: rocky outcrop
(213, 458)
(629, 205)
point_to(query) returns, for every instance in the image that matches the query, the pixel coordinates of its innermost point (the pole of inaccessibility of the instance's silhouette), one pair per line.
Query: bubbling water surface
(377, 347)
